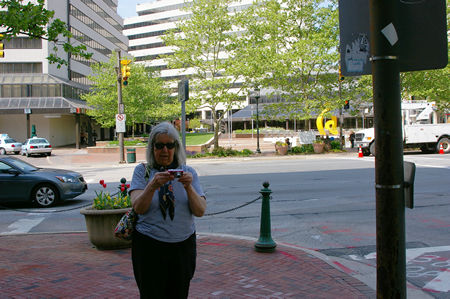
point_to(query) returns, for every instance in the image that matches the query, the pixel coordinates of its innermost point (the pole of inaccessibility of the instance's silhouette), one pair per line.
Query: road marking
(440, 284)
(416, 252)
(413, 253)
(23, 226)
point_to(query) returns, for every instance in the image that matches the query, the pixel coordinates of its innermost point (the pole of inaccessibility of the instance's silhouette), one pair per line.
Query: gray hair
(168, 129)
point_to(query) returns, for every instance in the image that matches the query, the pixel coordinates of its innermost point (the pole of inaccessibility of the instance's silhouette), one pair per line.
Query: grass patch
(198, 138)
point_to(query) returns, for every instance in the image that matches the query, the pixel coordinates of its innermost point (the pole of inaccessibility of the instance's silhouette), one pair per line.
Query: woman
(164, 242)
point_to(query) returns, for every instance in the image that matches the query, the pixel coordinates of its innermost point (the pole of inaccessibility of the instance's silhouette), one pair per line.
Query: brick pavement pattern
(66, 265)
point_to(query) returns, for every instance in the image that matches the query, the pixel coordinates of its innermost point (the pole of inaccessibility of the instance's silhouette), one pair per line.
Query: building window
(99, 11)
(21, 68)
(147, 46)
(45, 90)
(78, 14)
(79, 36)
(79, 78)
(13, 91)
(23, 43)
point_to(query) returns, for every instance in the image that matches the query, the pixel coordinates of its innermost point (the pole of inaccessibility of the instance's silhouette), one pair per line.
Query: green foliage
(34, 20)
(222, 152)
(303, 149)
(335, 145)
(105, 201)
(128, 143)
(291, 47)
(194, 123)
(204, 36)
(145, 98)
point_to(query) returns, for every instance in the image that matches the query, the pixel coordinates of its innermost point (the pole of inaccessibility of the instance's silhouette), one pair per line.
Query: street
(321, 202)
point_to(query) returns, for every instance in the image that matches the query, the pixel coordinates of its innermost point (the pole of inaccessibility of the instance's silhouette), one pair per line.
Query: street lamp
(256, 94)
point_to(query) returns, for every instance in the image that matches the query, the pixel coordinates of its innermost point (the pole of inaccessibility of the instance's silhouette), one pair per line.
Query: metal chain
(233, 209)
(65, 210)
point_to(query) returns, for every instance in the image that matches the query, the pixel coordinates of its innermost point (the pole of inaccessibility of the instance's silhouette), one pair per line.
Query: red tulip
(123, 185)
(104, 185)
(128, 186)
(102, 182)
(122, 189)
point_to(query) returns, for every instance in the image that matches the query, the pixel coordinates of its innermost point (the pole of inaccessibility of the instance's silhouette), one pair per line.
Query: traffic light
(126, 71)
(2, 53)
(346, 104)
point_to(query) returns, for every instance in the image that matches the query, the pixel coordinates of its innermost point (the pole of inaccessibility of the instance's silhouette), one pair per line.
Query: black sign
(421, 30)
(183, 90)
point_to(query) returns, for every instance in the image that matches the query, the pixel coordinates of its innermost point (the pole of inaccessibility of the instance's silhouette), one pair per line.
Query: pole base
(268, 246)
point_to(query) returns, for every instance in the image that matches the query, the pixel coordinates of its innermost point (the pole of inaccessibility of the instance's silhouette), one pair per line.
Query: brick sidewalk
(67, 266)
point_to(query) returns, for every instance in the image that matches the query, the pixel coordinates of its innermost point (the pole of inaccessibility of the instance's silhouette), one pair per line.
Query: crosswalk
(426, 267)
(23, 225)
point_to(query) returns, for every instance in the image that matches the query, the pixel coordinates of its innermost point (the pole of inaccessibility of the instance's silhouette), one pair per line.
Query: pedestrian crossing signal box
(409, 171)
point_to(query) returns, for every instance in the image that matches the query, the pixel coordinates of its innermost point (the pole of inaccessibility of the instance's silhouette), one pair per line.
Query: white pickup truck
(427, 137)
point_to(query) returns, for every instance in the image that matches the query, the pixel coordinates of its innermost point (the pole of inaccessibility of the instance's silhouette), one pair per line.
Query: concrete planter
(281, 149)
(318, 147)
(100, 226)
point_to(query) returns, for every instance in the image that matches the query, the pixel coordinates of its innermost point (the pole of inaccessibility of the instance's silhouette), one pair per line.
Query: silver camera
(176, 172)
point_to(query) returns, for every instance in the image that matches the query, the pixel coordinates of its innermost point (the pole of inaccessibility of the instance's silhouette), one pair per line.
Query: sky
(127, 8)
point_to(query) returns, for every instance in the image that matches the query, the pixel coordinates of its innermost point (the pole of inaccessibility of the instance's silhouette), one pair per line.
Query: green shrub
(246, 152)
(335, 145)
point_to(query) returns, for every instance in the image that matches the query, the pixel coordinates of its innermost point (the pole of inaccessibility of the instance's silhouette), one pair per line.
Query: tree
(432, 85)
(290, 47)
(37, 22)
(145, 98)
(202, 44)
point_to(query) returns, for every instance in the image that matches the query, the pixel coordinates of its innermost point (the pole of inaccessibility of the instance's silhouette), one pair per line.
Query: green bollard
(265, 242)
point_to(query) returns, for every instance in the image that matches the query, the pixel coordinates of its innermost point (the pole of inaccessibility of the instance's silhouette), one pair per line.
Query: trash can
(131, 155)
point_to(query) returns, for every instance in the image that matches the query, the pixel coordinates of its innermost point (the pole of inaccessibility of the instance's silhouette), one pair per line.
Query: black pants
(163, 270)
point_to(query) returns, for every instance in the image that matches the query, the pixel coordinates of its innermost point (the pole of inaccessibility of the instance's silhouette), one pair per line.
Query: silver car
(36, 146)
(9, 145)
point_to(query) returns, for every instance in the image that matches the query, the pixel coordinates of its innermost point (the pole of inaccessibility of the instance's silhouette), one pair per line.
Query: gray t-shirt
(152, 222)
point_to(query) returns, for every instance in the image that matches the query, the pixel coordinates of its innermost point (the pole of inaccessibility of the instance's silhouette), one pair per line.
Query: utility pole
(120, 107)
(390, 202)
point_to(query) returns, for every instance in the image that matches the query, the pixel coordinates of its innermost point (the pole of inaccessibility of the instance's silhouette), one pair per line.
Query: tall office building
(37, 94)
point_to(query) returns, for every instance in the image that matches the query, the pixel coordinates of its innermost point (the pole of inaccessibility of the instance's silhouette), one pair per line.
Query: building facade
(39, 95)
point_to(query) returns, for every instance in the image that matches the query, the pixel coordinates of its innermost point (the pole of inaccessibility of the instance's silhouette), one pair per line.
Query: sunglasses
(160, 145)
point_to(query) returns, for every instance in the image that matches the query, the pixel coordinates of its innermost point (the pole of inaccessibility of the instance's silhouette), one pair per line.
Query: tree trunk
(216, 133)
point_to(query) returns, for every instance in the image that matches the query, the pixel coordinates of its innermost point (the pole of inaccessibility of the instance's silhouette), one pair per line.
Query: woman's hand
(186, 179)
(159, 179)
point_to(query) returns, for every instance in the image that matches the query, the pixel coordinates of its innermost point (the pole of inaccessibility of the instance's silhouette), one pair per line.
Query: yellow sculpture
(330, 125)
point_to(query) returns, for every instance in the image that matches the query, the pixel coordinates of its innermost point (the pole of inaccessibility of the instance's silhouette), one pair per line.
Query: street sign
(120, 123)
(183, 90)
(27, 111)
(421, 33)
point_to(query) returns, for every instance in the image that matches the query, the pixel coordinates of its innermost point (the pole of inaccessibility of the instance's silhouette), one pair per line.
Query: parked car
(36, 146)
(44, 187)
(9, 145)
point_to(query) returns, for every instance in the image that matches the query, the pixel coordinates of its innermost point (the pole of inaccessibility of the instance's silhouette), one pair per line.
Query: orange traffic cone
(360, 153)
(441, 149)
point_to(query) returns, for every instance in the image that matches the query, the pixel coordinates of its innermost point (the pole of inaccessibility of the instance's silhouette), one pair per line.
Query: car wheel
(2, 151)
(445, 142)
(44, 195)
(27, 154)
(49, 154)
